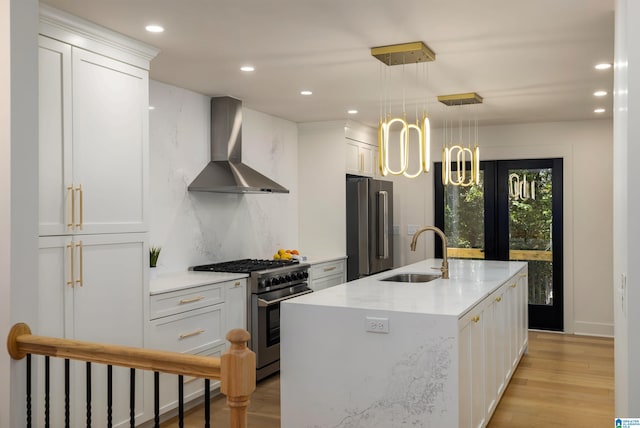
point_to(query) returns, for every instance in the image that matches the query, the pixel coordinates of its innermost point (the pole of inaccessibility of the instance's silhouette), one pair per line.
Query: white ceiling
(532, 61)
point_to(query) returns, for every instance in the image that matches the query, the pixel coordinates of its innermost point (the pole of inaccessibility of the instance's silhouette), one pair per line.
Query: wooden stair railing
(235, 369)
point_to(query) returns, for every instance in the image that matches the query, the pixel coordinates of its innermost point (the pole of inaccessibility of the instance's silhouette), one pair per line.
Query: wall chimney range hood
(226, 173)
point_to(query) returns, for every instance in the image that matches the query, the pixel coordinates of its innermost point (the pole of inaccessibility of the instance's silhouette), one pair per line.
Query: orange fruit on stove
(295, 252)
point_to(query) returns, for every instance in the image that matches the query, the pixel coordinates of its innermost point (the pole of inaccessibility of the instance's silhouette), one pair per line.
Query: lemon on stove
(276, 256)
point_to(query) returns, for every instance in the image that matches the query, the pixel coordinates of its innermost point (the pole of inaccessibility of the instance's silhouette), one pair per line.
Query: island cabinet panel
(492, 339)
(378, 354)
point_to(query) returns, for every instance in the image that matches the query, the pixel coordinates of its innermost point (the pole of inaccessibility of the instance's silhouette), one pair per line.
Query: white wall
(626, 208)
(322, 202)
(588, 170)
(195, 227)
(18, 190)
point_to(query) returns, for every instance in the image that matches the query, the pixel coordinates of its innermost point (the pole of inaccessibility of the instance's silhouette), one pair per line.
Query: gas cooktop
(245, 265)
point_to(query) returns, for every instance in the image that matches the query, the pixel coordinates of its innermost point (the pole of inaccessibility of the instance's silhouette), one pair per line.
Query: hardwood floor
(563, 380)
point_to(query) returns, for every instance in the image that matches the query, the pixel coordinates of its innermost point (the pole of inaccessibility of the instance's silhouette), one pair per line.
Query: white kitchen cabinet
(93, 142)
(89, 289)
(93, 178)
(327, 273)
(472, 368)
(360, 158)
(195, 320)
(493, 338)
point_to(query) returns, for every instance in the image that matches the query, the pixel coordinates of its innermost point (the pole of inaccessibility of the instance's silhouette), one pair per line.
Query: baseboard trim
(583, 328)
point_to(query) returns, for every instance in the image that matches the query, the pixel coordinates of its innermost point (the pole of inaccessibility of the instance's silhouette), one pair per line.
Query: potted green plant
(154, 253)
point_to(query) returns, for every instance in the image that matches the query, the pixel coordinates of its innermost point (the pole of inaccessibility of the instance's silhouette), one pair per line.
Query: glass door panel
(464, 220)
(513, 214)
(530, 228)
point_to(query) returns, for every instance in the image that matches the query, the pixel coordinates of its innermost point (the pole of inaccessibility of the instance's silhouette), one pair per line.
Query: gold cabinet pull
(193, 333)
(81, 204)
(329, 269)
(513, 285)
(237, 284)
(191, 300)
(80, 279)
(476, 318)
(70, 281)
(499, 299)
(523, 275)
(72, 202)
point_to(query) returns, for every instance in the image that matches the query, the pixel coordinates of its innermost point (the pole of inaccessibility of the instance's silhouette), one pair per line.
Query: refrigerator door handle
(383, 224)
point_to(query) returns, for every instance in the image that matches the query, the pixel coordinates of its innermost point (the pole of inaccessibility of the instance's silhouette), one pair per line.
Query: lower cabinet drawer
(188, 331)
(193, 387)
(165, 304)
(327, 268)
(326, 282)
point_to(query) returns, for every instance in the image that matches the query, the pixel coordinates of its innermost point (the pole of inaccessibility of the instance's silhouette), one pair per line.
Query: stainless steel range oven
(270, 282)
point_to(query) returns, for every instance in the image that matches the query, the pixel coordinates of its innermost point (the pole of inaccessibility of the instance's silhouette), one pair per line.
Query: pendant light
(420, 131)
(456, 153)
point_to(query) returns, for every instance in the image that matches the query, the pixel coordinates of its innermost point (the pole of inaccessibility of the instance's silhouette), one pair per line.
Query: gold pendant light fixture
(403, 54)
(457, 155)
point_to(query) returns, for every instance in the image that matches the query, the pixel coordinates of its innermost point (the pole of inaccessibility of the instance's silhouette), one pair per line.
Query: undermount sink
(411, 277)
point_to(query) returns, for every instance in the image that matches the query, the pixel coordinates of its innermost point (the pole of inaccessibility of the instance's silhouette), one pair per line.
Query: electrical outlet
(377, 325)
(412, 229)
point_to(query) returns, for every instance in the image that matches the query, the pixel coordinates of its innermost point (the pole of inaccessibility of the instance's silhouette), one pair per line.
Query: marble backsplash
(196, 227)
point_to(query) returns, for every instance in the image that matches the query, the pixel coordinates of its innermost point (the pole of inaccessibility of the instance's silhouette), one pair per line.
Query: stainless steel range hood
(226, 173)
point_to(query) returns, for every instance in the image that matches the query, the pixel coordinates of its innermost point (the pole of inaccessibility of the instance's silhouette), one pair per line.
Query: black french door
(514, 213)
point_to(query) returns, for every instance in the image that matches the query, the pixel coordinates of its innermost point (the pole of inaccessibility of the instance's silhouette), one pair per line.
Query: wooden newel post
(238, 376)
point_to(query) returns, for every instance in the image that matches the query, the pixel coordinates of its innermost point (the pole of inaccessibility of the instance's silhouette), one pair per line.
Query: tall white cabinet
(93, 172)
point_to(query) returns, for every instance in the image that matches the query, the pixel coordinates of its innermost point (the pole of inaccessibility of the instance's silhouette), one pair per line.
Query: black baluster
(28, 390)
(47, 389)
(207, 403)
(132, 397)
(181, 401)
(66, 393)
(88, 394)
(109, 396)
(156, 399)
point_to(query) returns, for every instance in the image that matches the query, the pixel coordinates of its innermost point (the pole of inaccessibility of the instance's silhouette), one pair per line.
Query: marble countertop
(176, 281)
(469, 282)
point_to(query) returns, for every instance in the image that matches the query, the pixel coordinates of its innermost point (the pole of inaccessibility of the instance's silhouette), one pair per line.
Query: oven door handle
(264, 303)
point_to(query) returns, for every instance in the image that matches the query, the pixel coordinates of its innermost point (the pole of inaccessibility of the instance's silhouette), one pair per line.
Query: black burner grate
(245, 265)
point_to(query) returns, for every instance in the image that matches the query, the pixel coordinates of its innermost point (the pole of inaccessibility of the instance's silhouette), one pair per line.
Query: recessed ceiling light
(600, 93)
(306, 92)
(599, 110)
(248, 68)
(352, 111)
(603, 66)
(152, 108)
(153, 28)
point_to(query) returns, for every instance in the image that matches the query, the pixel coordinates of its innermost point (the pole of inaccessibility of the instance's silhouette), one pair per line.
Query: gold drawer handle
(72, 202)
(81, 204)
(476, 318)
(80, 280)
(513, 285)
(191, 300)
(71, 281)
(329, 269)
(523, 275)
(237, 284)
(193, 333)
(498, 299)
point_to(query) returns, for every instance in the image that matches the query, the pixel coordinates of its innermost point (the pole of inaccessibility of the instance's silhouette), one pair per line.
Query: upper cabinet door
(110, 144)
(55, 176)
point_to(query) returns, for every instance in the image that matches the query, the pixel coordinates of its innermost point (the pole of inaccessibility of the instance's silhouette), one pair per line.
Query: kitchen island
(372, 353)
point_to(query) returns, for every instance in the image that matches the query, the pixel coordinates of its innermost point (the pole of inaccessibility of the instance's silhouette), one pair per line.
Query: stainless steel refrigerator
(369, 226)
